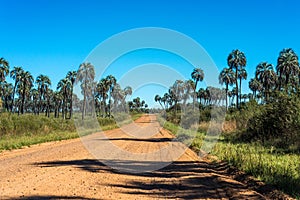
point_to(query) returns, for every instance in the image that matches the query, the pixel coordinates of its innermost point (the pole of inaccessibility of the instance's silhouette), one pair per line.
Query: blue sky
(54, 36)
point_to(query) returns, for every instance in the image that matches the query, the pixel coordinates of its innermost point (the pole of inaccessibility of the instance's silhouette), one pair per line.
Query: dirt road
(67, 170)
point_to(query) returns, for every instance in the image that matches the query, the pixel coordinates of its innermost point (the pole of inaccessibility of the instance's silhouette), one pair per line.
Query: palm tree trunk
(23, 99)
(240, 90)
(13, 97)
(71, 102)
(226, 96)
(237, 88)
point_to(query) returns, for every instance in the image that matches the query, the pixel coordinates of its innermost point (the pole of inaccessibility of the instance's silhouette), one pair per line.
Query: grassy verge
(278, 169)
(19, 131)
(274, 168)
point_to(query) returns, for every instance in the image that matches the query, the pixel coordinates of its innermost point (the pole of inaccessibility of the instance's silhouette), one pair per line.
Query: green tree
(227, 76)
(26, 83)
(4, 69)
(242, 75)
(236, 60)
(255, 86)
(267, 77)
(15, 74)
(287, 66)
(197, 75)
(64, 86)
(71, 75)
(85, 75)
(43, 83)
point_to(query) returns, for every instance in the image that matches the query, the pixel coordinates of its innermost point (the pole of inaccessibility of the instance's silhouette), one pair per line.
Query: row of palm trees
(286, 78)
(21, 96)
(29, 95)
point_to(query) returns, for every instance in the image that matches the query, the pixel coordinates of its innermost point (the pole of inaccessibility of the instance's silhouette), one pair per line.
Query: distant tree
(4, 69)
(15, 74)
(43, 83)
(26, 83)
(198, 76)
(71, 75)
(86, 75)
(64, 86)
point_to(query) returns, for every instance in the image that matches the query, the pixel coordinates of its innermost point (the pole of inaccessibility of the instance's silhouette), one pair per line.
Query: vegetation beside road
(263, 138)
(25, 130)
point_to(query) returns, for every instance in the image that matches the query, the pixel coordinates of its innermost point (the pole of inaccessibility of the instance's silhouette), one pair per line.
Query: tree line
(29, 95)
(284, 78)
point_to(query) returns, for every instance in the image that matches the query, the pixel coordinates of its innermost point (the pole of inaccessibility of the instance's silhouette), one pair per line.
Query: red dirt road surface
(67, 170)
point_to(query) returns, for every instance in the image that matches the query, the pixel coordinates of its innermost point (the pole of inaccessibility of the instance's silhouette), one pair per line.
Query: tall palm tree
(227, 76)
(26, 83)
(236, 60)
(85, 75)
(287, 66)
(15, 74)
(197, 75)
(71, 75)
(242, 75)
(267, 77)
(4, 69)
(43, 83)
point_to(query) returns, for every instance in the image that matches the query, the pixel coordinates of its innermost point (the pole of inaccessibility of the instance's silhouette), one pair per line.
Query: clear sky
(54, 36)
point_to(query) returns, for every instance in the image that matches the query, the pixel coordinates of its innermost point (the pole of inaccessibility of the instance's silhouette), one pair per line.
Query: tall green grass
(267, 164)
(279, 169)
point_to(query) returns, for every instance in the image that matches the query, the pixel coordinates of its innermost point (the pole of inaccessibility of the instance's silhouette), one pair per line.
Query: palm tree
(43, 83)
(26, 83)
(127, 91)
(6, 94)
(197, 75)
(255, 86)
(86, 75)
(227, 76)
(236, 60)
(267, 77)
(34, 93)
(4, 69)
(71, 75)
(157, 98)
(242, 75)
(64, 86)
(111, 82)
(15, 74)
(101, 93)
(287, 66)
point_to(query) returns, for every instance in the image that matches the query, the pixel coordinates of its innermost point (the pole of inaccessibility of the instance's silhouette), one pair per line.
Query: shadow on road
(188, 180)
(140, 139)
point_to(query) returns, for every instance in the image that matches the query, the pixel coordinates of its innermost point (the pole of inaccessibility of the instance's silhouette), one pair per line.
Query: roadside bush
(277, 123)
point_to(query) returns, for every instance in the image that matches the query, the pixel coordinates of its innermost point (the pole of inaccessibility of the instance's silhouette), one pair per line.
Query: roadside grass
(275, 168)
(25, 130)
(269, 165)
